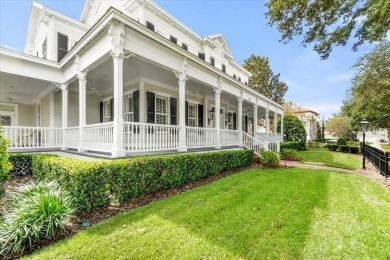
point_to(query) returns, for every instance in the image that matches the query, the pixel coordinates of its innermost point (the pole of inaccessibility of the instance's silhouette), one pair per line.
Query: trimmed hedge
(94, 184)
(344, 148)
(290, 154)
(333, 147)
(341, 141)
(354, 149)
(292, 145)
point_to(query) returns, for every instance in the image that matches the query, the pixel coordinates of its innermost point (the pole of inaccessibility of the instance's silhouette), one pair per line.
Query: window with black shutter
(234, 121)
(44, 49)
(186, 113)
(173, 39)
(150, 107)
(200, 115)
(223, 68)
(150, 26)
(239, 79)
(202, 55)
(234, 76)
(112, 109)
(62, 46)
(173, 110)
(246, 83)
(136, 105)
(212, 61)
(101, 112)
(184, 46)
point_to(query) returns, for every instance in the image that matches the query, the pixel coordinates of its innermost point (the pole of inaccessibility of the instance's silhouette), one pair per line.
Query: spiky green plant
(34, 212)
(5, 165)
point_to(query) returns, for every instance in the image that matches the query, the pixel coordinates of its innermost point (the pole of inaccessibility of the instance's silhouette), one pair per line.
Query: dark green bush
(333, 147)
(294, 131)
(341, 141)
(94, 184)
(344, 148)
(354, 149)
(293, 145)
(5, 165)
(290, 154)
(35, 212)
(22, 164)
(269, 159)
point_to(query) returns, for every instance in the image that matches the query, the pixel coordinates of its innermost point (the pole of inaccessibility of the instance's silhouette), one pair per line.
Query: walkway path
(370, 170)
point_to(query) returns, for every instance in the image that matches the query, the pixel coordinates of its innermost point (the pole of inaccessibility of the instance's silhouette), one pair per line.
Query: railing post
(217, 115)
(387, 173)
(266, 148)
(278, 146)
(239, 125)
(64, 88)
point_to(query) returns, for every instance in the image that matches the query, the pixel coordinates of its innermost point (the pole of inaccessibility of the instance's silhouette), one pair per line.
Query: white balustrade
(71, 137)
(253, 144)
(198, 137)
(33, 137)
(270, 144)
(99, 137)
(150, 137)
(275, 137)
(230, 137)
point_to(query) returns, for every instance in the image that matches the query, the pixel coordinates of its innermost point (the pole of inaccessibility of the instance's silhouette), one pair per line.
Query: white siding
(27, 115)
(45, 111)
(99, 8)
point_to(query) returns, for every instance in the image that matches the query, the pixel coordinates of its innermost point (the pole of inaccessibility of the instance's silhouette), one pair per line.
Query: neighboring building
(308, 118)
(375, 136)
(127, 78)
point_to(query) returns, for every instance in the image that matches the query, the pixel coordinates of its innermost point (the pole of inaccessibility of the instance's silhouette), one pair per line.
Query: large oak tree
(329, 23)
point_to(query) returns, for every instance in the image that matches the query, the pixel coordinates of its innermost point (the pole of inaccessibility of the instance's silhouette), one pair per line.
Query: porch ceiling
(19, 89)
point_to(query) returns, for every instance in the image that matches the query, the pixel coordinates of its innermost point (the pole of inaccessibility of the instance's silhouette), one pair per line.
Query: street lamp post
(363, 127)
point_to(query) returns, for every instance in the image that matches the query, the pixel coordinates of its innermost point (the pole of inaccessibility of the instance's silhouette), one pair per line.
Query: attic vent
(234, 76)
(202, 55)
(239, 79)
(173, 39)
(212, 61)
(184, 46)
(223, 68)
(150, 25)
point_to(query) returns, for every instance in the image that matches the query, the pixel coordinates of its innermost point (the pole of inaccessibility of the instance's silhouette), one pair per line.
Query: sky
(320, 85)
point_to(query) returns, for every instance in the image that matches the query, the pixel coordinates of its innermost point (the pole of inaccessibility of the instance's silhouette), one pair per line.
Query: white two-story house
(127, 78)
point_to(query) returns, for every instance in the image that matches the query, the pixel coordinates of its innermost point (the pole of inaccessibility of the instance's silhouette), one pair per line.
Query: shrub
(35, 212)
(294, 131)
(290, 154)
(341, 141)
(354, 149)
(5, 165)
(292, 145)
(95, 184)
(333, 147)
(344, 148)
(22, 164)
(269, 159)
(313, 144)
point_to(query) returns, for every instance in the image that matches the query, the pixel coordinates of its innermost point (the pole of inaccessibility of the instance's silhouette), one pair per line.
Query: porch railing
(270, 144)
(198, 137)
(275, 137)
(72, 137)
(21, 137)
(150, 137)
(99, 137)
(380, 159)
(230, 137)
(252, 143)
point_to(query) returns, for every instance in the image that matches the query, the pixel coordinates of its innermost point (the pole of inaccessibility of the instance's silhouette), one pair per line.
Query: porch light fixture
(211, 115)
(363, 127)
(229, 117)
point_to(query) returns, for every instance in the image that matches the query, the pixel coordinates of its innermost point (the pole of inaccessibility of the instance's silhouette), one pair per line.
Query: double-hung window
(107, 111)
(192, 115)
(62, 46)
(161, 110)
(129, 108)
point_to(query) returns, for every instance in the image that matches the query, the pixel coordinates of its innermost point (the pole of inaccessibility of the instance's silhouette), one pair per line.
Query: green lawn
(385, 147)
(255, 214)
(332, 159)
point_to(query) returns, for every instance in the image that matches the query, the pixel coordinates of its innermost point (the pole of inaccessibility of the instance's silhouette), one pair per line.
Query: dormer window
(184, 46)
(202, 55)
(239, 79)
(246, 83)
(234, 76)
(150, 26)
(44, 48)
(173, 39)
(212, 61)
(62, 46)
(223, 68)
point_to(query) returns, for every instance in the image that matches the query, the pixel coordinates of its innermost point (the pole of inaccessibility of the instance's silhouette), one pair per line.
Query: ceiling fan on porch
(93, 90)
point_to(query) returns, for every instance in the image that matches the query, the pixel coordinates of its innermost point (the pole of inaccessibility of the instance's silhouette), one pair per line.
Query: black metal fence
(379, 159)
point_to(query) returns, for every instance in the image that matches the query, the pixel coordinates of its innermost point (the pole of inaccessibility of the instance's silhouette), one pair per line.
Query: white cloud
(289, 82)
(340, 76)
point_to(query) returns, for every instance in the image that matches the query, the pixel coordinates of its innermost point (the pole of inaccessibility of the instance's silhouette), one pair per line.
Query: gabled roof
(298, 110)
(222, 39)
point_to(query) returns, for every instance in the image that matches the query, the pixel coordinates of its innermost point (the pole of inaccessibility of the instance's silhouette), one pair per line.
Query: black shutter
(234, 121)
(150, 107)
(246, 124)
(186, 113)
(200, 115)
(62, 46)
(112, 109)
(173, 108)
(101, 112)
(136, 105)
(202, 55)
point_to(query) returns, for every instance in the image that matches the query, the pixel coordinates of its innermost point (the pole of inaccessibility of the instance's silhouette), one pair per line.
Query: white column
(64, 124)
(254, 120)
(218, 116)
(117, 149)
(281, 125)
(51, 115)
(182, 117)
(239, 119)
(267, 121)
(82, 76)
(142, 101)
(275, 123)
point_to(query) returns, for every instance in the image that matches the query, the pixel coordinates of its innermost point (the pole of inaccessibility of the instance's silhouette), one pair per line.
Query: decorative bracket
(117, 38)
